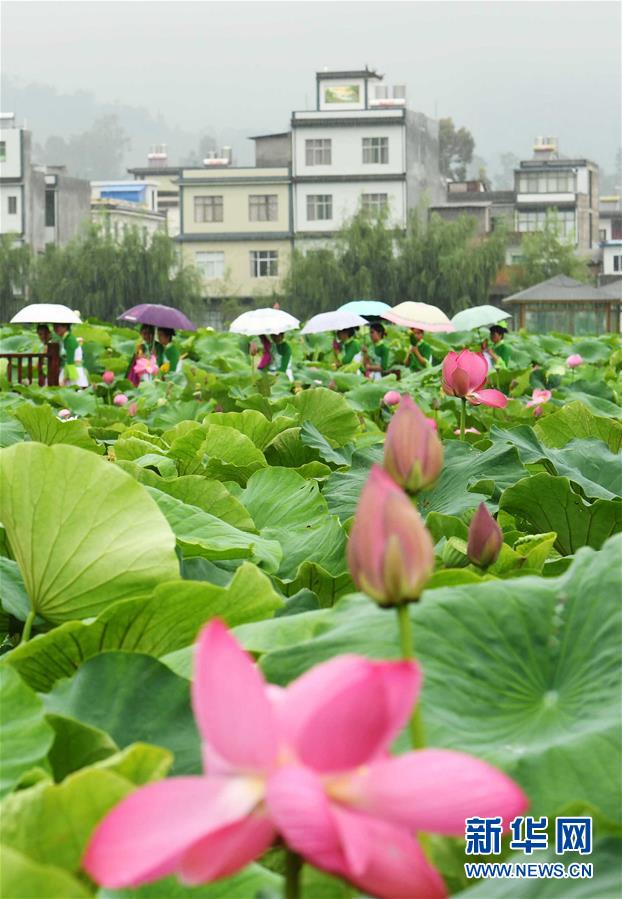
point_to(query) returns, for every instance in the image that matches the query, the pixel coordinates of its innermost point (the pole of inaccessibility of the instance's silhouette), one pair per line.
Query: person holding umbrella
(73, 373)
(145, 350)
(277, 355)
(167, 354)
(499, 353)
(346, 347)
(374, 367)
(419, 353)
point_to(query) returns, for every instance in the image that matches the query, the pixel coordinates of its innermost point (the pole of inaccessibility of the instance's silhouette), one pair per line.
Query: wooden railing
(23, 367)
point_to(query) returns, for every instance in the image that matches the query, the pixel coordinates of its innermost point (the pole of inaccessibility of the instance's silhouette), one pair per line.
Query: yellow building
(236, 228)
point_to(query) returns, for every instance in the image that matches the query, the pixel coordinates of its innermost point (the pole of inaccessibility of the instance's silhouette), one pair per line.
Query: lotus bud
(132, 409)
(253, 348)
(413, 454)
(391, 398)
(485, 538)
(390, 552)
(432, 424)
(120, 399)
(64, 414)
(574, 360)
(108, 377)
(332, 385)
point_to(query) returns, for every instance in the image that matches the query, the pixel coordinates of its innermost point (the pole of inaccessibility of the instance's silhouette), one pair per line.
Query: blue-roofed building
(126, 204)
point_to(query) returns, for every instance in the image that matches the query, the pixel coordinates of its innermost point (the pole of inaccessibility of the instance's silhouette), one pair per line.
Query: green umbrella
(478, 317)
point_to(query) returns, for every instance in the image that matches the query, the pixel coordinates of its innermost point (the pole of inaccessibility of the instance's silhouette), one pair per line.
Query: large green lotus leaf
(11, 430)
(290, 509)
(605, 884)
(52, 823)
(548, 503)
(368, 397)
(134, 698)
(83, 532)
(591, 349)
(342, 489)
(140, 763)
(524, 673)
(186, 449)
(288, 451)
(202, 534)
(165, 622)
(596, 404)
(131, 448)
(311, 437)
(225, 444)
(211, 496)
(76, 746)
(587, 462)
(312, 576)
(254, 882)
(42, 425)
(25, 735)
(23, 878)
(574, 421)
(253, 424)
(329, 412)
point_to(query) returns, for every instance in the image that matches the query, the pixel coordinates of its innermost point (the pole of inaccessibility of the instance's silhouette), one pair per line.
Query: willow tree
(15, 267)
(101, 275)
(547, 253)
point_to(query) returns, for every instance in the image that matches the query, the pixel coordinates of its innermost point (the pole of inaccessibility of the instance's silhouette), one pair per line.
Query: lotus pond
(146, 543)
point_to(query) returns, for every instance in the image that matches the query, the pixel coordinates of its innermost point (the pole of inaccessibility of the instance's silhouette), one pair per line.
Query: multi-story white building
(120, 205)
(360, 148)
(39, 204)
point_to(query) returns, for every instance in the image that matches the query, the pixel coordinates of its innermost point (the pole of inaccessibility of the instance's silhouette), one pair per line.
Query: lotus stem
(417, 732)
(293, 867)
(462, 418)
(28, 626)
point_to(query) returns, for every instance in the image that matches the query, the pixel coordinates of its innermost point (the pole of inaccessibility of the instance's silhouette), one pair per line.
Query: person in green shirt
(346, 346)
(167, 354)
(376, 364)
(500, 353)
(419, 353)
(282, 355)
(73, 373)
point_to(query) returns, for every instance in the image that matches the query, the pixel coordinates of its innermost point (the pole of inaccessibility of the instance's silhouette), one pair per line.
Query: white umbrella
(478, 317)
(263, 321)
(418, 315)
(46, 313)
(333, 321)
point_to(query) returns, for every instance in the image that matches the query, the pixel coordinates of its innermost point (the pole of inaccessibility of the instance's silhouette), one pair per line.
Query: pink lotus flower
(391, 397)
(120, 399)
(574, 360)
(309, 763)
(64, 414)
(538, 397)
(413, 454)
(464, 374)
(467, 431)
(145, 365)
(432, 424)
(108, 377)
(390, 552)
(485, 538)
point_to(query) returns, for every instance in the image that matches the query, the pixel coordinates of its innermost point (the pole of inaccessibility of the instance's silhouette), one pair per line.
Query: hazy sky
(507, 70)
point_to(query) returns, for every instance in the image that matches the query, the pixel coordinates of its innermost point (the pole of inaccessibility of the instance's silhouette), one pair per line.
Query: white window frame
(263, 207)
(209, 208)
(375, 150)
(375, 203)
(264, 263)
(318, 151)
(319, 207)
(211, 264)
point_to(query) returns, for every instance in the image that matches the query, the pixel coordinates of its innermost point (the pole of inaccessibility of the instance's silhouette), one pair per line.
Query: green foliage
(455, 147)
(15, 266)
(545, 254)
(439, 262)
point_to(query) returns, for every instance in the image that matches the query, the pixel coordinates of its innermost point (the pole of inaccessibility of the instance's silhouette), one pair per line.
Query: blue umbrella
(365, 307)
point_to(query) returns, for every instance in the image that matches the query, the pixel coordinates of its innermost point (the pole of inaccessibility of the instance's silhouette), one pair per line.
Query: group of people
(374, 360)
(72, 373)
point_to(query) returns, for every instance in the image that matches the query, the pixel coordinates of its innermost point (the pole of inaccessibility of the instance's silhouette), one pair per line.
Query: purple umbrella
(158, 316)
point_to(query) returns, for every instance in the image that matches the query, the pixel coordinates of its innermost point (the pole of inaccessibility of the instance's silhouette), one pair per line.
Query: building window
(208, 209)
(535, 221)
(319, 207)
(264, 263)
(374, 203)
(50, 208)
(318, 152)
(2, 151)
(263, 207)
(12, 207)
(376, 150)
(617, 263)
(602, 234)
(546, 183)
(211, 265)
